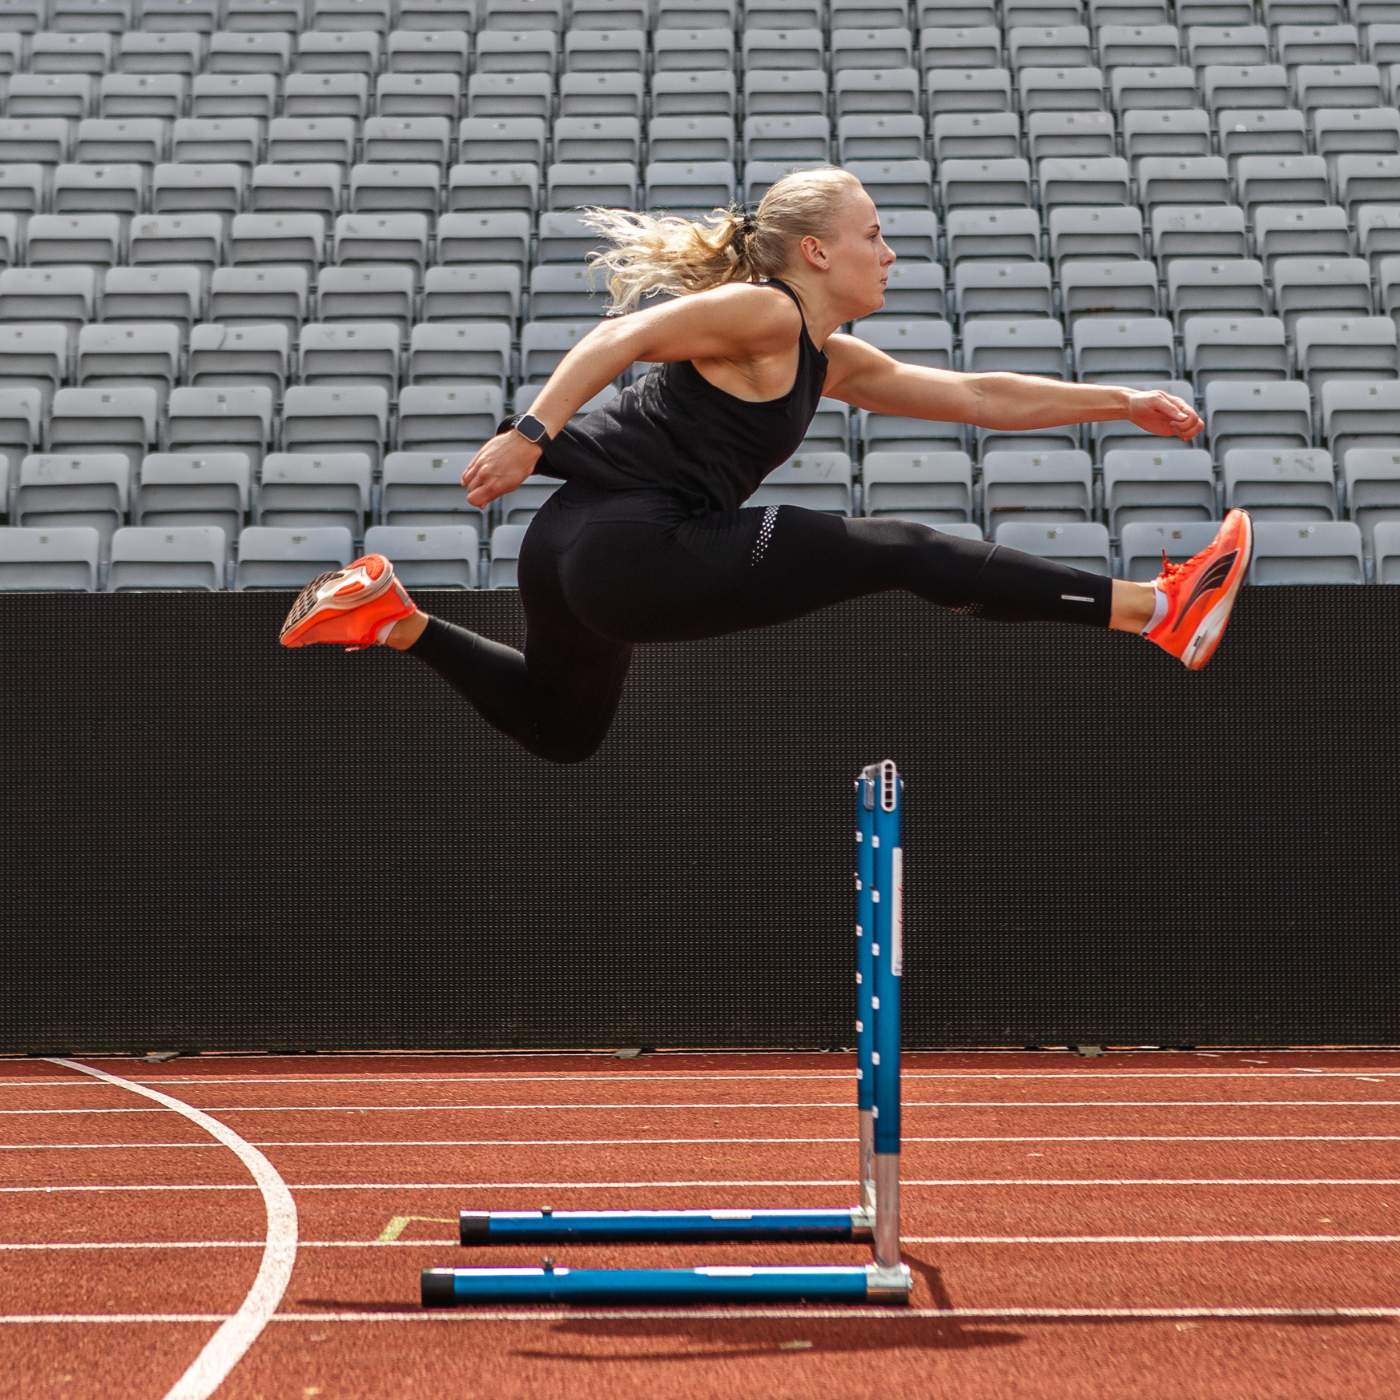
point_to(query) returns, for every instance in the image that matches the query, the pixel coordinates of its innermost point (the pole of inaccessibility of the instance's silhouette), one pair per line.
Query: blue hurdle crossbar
(879, 881)
(444, 1287)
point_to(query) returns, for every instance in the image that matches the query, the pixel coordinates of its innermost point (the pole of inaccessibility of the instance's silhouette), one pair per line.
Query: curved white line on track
(223, 1351)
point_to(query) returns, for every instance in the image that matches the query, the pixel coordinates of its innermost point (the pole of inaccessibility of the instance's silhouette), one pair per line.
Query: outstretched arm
(1012, 401)
(861, 374)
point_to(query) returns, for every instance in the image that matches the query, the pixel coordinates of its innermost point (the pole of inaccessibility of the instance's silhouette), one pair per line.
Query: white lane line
(826, 1183)
(844, 1105)
(689, 1142)
(586, 1314)
(662, 1075)
(437, 1242)
(222, 1352)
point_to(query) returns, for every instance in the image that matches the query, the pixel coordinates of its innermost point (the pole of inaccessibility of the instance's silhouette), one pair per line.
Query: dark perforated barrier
(212, 842)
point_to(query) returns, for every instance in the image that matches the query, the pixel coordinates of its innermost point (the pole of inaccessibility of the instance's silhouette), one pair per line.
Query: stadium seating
(271, 270)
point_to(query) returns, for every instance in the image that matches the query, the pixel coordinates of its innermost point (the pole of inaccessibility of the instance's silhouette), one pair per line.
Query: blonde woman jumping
(648, 540)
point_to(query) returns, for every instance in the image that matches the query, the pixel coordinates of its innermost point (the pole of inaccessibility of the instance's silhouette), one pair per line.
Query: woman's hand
(501, 465)
(1158, 412)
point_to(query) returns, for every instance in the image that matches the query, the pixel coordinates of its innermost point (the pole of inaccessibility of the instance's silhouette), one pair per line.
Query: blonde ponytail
(654, 253)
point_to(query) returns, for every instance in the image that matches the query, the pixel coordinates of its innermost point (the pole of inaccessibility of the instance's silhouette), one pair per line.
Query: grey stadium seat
(933, 488)
(299, 490)
(1320, 552)
(1280, 485)
(173, 557)
(425, 488)
(1144, 484)
(49, 560)
(288, 559)
(194, 488)
(428, 556)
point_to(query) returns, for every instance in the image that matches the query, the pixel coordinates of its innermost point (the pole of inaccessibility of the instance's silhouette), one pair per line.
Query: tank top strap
(806, 335)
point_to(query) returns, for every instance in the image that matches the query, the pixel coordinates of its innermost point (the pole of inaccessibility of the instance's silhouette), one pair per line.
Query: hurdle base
(716, 1283)
(555, 1226)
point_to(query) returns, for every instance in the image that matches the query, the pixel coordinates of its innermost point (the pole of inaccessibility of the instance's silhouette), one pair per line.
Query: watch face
(531, 427)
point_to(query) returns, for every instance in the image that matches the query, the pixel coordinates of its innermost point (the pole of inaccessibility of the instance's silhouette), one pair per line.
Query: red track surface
(1144, 1224)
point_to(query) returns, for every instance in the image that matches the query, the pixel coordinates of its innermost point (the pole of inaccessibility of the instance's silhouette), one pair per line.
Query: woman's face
(860, 257)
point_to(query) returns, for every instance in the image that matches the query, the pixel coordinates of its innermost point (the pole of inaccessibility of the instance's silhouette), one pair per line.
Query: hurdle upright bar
(879, 880)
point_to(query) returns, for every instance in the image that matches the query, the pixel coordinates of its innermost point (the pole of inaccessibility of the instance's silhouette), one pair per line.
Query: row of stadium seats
(1085, 235)
(136, 144)
(163, 138)
(1349, 181)
(350, 416)
(448, 556)
(334, 43)
(1317, 350)
(471, 15)
(696, 87)
(984, 294)
(234, 489)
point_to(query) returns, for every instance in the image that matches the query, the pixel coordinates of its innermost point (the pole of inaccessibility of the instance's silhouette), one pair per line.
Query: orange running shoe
(1201, 593)
(359, 603)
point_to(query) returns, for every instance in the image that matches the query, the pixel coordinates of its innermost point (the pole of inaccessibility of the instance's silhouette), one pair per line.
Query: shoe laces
(1170, 570)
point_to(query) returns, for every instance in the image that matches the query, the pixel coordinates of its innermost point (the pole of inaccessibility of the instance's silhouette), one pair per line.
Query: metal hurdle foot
(879, 882)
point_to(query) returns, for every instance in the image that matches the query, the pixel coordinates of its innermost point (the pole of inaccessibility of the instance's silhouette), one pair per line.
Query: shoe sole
(322, 592)
(1207, 636)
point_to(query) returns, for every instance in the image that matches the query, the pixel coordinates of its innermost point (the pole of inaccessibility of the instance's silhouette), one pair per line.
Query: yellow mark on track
(399, 1223)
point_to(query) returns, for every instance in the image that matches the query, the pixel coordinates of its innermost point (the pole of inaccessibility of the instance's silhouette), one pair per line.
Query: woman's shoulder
(773, 301)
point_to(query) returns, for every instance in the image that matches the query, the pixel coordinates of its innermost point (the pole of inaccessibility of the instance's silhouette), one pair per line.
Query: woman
(647, 541)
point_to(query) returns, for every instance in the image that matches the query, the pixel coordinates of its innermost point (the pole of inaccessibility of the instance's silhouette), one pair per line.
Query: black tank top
(674, 429)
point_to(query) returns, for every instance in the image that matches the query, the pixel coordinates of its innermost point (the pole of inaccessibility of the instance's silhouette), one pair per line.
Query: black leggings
(600, 571)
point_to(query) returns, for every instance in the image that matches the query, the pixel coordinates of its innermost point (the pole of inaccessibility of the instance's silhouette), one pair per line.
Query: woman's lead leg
(768, 566)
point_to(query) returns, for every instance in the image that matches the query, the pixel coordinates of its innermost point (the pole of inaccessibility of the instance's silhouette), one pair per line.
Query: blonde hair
(654, 253)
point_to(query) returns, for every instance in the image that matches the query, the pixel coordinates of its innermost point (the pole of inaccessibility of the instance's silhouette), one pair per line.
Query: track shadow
(731, 1337)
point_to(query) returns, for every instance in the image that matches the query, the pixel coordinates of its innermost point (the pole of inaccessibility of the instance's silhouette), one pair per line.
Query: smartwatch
(530, 428)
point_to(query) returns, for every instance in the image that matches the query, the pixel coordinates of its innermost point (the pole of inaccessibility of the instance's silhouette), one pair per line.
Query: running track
(1144, 1224)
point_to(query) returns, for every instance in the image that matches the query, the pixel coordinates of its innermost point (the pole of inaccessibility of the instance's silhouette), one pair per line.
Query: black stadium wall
(210, 842)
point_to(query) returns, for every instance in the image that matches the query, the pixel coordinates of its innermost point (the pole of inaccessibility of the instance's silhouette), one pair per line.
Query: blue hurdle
(879, 882)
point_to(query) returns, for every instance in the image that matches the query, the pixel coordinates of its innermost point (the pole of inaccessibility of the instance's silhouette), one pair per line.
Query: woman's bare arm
(739, 321)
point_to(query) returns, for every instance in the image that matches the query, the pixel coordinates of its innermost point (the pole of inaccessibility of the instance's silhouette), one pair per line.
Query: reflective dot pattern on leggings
(765, 532)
